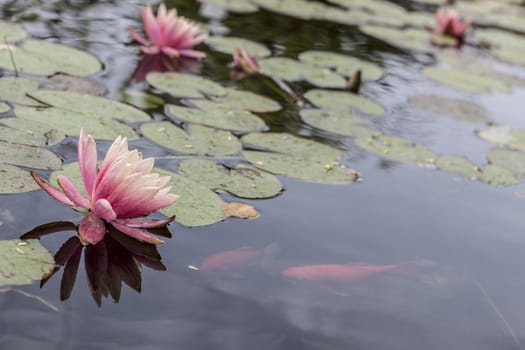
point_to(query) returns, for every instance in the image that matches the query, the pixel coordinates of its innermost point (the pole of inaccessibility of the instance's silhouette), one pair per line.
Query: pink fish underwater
(239, 259)
(334, 276)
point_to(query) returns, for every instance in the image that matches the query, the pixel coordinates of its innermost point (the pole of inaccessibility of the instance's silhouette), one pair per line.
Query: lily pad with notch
(41, 134)
(338, 100)
(219, 116)
(98, 115)
(18, 90)
(240, 181)
(397, 149)
(343, 64)
(28, 156)
(184, 85)
(23, 262)
(198, 140)
(41, 57)
(298, 158)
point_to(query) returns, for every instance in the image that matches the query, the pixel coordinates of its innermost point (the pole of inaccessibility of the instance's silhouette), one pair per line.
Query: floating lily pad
(498, 176)
(238, 6)
(141, 99)
(17, 90)
(397, 149)
(10, 32)
(23, 262)
(292, 70)
(240, 210)
(15, 180)
(184, 85)
(218, 116)
(197, 205)
(24, 137)
(45, 58)
(45, 133)
(28, 156)
(409, 39)
(514, 161)
(298, 158)
(249, 101)
(228, 45)
(451, 107)
(466, 81)
(4, 107)
(71, 110)
(199, 140)
(338, 122)
(504, 136)
(294, 8)
(345, 65)
(241, 181)
(339, 100)
(459, 166)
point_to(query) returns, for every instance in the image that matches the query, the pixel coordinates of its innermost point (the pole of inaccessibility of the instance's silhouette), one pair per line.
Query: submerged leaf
(23, 262)
(199, 140)
(396, 148)
(41, 57)
(451, 107)
(466, 81)
(241, 181)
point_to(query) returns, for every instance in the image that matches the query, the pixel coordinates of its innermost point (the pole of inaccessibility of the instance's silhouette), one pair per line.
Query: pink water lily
(449, 23)
(120, 192)
(169, 34)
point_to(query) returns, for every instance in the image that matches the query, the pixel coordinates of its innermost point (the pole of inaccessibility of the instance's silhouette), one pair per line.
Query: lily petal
(52, 191)
(87, 159)
(103, 209)
(71, 192)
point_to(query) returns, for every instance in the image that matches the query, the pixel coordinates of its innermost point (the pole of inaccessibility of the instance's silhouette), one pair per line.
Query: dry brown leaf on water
(240, 210)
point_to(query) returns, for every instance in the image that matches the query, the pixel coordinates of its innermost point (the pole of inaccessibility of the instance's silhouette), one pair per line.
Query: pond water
(463, 239)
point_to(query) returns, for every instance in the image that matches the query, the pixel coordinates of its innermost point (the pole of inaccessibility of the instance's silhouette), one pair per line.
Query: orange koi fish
(239, 259)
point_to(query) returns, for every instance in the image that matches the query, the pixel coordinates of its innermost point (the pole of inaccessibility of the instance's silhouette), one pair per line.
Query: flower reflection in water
(162, 63)
(116, 259)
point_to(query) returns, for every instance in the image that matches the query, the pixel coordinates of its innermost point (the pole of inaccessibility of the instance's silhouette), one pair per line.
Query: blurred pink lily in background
(450, 24)
(121, 191)
(169, 34)
(244, 62)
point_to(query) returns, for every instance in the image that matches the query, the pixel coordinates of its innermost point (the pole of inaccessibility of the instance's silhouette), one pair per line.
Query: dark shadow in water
(116, 259)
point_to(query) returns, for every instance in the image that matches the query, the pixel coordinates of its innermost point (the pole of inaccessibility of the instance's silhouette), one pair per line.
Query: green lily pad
(451, 107)
(45, 133)
(298, 158)
(28, 156)
(339, 100)
(409, 39)
(23, 262)
(345, 65)
(184, 85)
(228, 45)
(45, 58)
(69, 111)
(337, 122)
(238, 6)
(15, 180)
(459, 166)
(241, 181)
(504, 136)
(4, 107)
(16, 90)
(294, 8)
(141, 99)
(199, 140)
(397, 149)
(514, 161)
(498, 176)
(292, 70)
(197, 205)
(248, 100)
(10, 32)
(24, 137)
(466, 81)
(218, 116)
